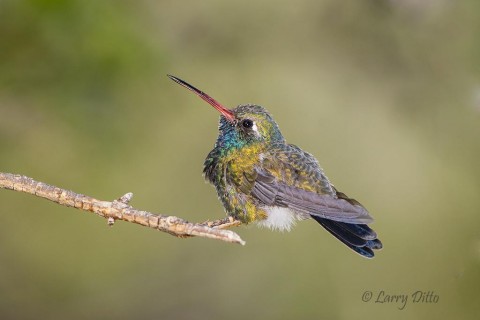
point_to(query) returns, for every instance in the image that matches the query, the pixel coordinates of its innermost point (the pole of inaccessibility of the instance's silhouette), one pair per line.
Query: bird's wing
(290, 177)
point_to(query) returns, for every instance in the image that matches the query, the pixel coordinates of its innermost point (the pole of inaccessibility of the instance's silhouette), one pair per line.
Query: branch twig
(120, 210)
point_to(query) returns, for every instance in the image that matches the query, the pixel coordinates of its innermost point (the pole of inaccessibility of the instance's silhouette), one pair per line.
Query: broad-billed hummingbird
(261, 178)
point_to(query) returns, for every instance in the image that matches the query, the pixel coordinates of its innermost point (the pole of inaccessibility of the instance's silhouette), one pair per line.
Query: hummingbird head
(241, 126)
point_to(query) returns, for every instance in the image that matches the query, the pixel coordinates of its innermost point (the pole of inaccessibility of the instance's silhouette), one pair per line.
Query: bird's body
(235, 162)
(261, 178)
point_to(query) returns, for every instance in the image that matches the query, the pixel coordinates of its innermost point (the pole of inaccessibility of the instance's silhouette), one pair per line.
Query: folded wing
(273, 192)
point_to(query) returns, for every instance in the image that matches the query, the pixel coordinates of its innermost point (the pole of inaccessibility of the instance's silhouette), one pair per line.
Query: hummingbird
(260, 178)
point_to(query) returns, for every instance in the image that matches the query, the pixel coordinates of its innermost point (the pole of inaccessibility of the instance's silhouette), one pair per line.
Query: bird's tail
(358, 237)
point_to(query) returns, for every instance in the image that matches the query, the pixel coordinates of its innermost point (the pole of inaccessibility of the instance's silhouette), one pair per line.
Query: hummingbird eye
(247, 123)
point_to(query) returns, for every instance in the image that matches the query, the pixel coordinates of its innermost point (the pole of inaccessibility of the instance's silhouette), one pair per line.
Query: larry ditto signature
(400, 300)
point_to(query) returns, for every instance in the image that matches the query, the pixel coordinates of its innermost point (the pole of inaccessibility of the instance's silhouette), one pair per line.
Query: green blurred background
(386, 94)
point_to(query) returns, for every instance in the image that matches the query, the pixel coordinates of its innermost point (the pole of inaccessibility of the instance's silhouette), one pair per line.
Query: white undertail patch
(282, 219)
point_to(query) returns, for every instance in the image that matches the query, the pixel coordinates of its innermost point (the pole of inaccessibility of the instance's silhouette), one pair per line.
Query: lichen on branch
(120, 209)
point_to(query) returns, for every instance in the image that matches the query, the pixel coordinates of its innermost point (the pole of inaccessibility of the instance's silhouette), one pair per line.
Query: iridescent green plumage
(230, 166)
(260, 178)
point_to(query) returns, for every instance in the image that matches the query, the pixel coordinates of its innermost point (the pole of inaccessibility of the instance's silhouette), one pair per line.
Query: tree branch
(120, 210)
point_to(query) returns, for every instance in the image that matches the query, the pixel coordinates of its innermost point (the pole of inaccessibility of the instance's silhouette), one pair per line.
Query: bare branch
(120, 210)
